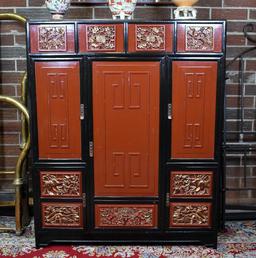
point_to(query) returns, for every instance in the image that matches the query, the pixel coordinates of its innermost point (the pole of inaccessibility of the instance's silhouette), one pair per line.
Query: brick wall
(12, 66)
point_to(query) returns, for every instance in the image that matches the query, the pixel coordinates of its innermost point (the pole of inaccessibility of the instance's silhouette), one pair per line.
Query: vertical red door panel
(194, 105)
(58, 109)
(125, 128)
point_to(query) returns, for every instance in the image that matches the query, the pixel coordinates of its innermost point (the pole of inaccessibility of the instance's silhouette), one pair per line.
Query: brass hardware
(7, 172)
(13, 16)
(169, 111)
(84, 199)
(91, 149)
(82, 111)
(167, 201)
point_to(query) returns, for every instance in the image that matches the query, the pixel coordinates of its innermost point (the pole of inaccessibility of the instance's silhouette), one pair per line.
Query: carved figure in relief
(150, 37)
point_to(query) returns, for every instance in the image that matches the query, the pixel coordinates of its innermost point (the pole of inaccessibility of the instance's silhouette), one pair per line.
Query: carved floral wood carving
(190, 215)
(150, 37)
(191, 184)
(61, 184)
(57, 215)
(126, 216)
(52, 38)
(101, 37)
(199, 38)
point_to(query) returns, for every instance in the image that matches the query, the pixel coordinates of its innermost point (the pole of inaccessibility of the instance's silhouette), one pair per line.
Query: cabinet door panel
(194, 104)
(126, 121)
(58, 109)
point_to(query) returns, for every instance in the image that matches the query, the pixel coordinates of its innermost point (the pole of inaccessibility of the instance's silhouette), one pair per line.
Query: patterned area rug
(238, 240)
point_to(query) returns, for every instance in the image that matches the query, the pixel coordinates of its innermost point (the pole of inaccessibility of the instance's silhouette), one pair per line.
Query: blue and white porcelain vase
(57, 8)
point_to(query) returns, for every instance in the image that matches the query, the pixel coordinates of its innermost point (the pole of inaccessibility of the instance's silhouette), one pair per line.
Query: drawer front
(62, 215)
(187, 215)
(52, 38)
(191, 184)
(126, 215)
(150, 37)
(101, 38)
(199, 38)
(61, 184)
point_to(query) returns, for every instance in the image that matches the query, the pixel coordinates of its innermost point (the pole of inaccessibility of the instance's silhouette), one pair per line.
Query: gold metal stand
(21, 216)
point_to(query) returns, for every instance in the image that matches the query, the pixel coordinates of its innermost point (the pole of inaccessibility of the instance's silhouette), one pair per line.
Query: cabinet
(126, 130)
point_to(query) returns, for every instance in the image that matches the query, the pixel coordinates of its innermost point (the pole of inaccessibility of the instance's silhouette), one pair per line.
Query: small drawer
(199, 38)
(190, 215)
(126, 216)
(52, 38)
(191, 184)
(62, 215)
(150, 37)
(61, 184)
(101, 37)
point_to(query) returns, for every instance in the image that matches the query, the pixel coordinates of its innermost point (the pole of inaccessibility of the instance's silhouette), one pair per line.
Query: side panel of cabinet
(58, 109)
(126, 122)
(194, 104)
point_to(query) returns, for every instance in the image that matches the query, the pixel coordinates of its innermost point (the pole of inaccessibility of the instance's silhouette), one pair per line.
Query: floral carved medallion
(58, 215)
(199, 38)
(126, 216)
(190, 214)
(61, 184)
(191, 184)
(52, 38)
(150, 37)
(101, 37)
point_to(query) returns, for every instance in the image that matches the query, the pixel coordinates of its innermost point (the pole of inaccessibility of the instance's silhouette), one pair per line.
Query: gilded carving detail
(61, 215)
(150, 37)
(128, 217)
(190, 215)
(191, 184)
(199, 38)
(101, 37)
(60, 184)
(52, 38)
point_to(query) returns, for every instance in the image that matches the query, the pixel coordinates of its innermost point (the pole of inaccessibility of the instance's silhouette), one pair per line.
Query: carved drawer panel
(61, 184)
(101, 37)
(190, 215)
(62, 215)
(150, 37)
(191, 184)
(126, 215)
(199, 38)
(52, 38)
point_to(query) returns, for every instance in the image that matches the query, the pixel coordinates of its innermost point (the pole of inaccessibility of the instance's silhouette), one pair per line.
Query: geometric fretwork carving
(61, 184)
(125, 215)
(62, 214)
(150, 37)
(194, 184)
(190, 214)
(52, 38)
(199, 38)
(101, 37)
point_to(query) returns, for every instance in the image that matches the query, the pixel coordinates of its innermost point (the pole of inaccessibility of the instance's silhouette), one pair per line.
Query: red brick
(251, 65)
(10, 150)
(20, 39)
(235, 40)
(21, 65)
(252, 14)
(7, 65)
(234, 101)
(240, 3)
(8, 90)
(11, 77)
(7, 139)
(6, 40)
(14, 3)
(8, 114)
(229, 14)
(11, 26)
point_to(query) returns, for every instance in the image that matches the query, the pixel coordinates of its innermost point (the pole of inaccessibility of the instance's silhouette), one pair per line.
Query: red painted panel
(191, 215)
(191, 184)
(194, 104)
(61, 184)
(52, 38)
(58, 109)
(125, 216)
(101, 37)
(62, 215)
(126, 122)
(150, 37)
(199, 38)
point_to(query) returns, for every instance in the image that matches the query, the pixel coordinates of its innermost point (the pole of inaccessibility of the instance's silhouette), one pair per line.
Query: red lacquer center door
(194, 105)
(126, 128)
